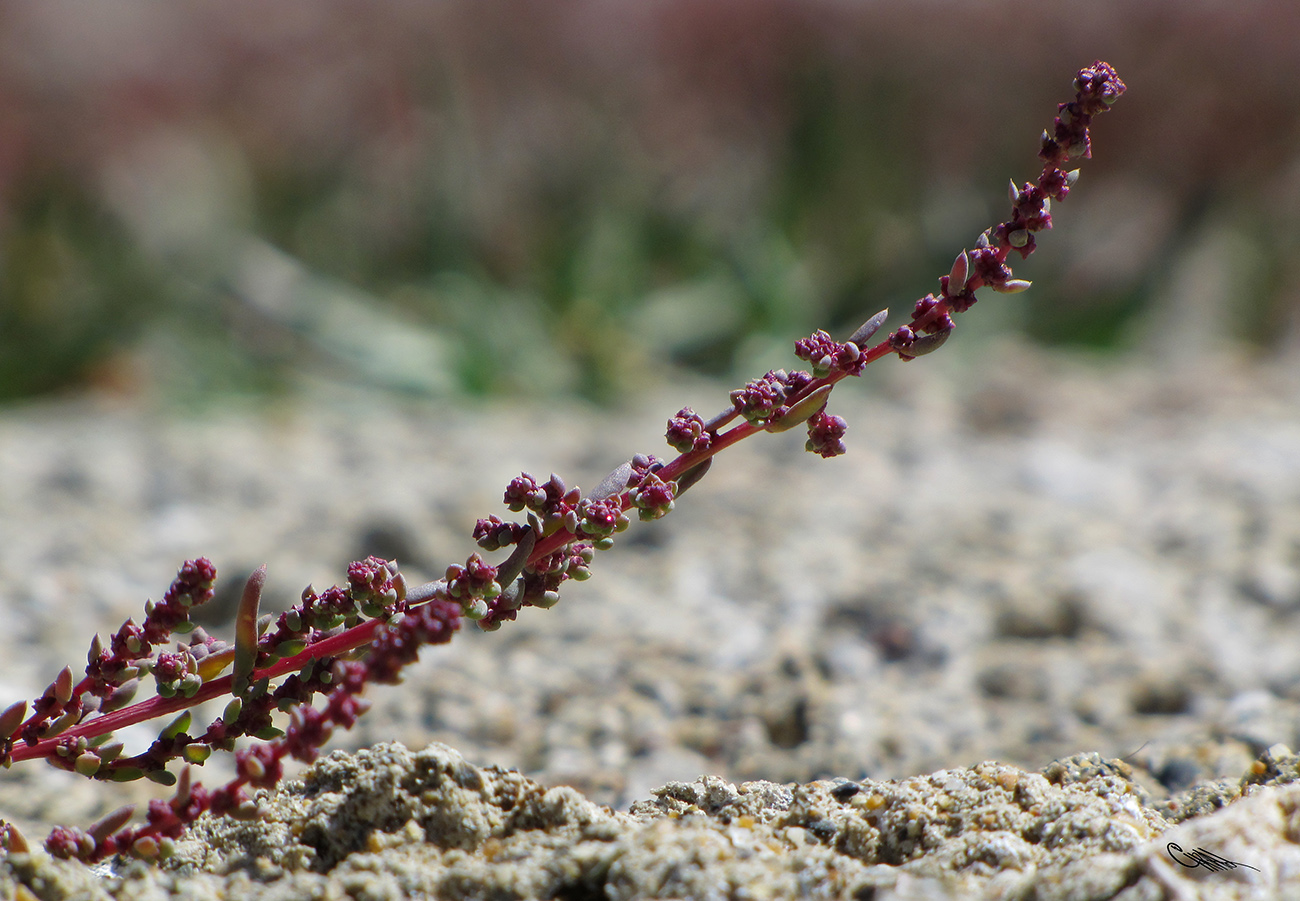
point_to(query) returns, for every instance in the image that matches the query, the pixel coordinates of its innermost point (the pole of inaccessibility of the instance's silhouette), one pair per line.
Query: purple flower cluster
(687, 433)
(828, 355)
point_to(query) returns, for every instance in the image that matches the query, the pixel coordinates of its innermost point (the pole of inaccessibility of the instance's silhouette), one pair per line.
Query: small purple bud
(902, 338)
(825, 435)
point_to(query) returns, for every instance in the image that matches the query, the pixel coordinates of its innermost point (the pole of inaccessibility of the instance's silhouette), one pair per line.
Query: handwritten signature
(1202, 858)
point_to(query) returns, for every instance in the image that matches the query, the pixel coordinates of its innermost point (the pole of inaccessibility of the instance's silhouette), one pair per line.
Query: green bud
(1012, 286)
(196, 753)
(110, 823)
(121, 696)
(547, 600)
(958, 274)
(87, 764)
(868, 328)
(63, 685)
(291, 647)
(145, 847)
(126, 774)
(162, 777)
(231, 713)
(925, 344)
(801, 411)
(12, 718)
(12, 840)
(176, 726)
(68, 719)
(270, 733)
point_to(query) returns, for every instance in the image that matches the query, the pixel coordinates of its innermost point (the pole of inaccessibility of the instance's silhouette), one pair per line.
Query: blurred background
(480, 197)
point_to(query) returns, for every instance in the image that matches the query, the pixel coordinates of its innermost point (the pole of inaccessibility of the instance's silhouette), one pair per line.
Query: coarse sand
(1036, 631)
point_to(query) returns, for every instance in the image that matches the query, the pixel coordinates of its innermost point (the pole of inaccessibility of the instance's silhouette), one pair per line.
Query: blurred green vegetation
(477, 200)
(72, 289)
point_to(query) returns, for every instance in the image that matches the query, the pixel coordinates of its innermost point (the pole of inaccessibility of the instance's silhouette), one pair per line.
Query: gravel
(794, 686)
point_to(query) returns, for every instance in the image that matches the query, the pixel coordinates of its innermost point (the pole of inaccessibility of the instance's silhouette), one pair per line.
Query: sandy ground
(1021, 565)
